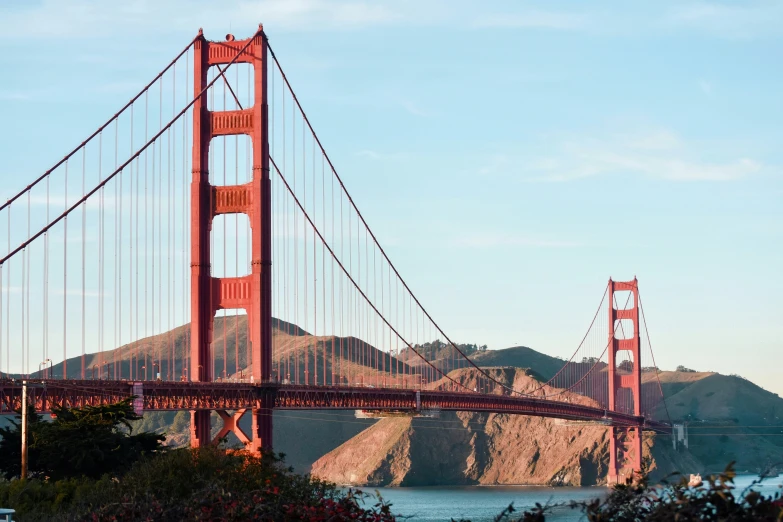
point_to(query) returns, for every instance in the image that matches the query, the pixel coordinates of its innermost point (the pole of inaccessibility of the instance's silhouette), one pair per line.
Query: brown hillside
(295, 352)
(520, 357)
(729, 419)
(479, 448)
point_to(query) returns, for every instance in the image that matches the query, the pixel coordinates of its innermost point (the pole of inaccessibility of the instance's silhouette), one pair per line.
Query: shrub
(715, 500)
(192, 484)
(88, 441)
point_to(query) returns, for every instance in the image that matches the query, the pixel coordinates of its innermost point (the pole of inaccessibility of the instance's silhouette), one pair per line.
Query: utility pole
(24, 429)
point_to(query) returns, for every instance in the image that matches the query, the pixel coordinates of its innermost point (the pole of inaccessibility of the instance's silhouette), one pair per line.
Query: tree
(89, 441)
(207, 483)
(682, 368)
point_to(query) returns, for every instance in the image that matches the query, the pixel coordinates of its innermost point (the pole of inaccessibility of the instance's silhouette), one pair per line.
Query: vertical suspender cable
(45, 285)
(8, 299)
(100, 256)
(225, 268)
(159, 264)
(65, 277)
(334, 311)
(296, 247)
(183, 261)
(287, 244)
(136, 275)
(24, 294)
(8, 370)
(120, 316)
(155, 219)
(236, 244)
(170, 168)
(132, 366)
(84, 256)
(117, 206)
(323, 266)
(172, 217)
(148, 348)
(367, 333)
(344, 301)
(350, 302)
(305, 273)
(26, 324)
(315, 282)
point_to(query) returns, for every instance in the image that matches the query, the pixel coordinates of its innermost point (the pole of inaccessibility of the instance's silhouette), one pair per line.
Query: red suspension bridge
(199, 251)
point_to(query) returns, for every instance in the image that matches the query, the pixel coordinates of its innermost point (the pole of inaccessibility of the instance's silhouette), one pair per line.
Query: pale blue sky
(511, 155)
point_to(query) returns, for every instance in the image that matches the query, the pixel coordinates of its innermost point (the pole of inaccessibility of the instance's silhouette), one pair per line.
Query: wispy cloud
(89, 19)
(657, 153)
(656, 139)
(15, 96)
(413, 108)
(493, 240)
(706, 87)
(126, 86)
(381, 156)
(95, 19)
(535, 19)
(740, 20)
(494, 164)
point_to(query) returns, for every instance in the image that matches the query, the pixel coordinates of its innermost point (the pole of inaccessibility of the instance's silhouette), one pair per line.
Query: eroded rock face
(461, 448)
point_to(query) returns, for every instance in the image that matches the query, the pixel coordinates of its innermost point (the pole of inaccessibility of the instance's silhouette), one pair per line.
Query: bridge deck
(172, 396)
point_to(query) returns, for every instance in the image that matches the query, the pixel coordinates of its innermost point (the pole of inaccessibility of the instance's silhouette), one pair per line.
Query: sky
(510, 156)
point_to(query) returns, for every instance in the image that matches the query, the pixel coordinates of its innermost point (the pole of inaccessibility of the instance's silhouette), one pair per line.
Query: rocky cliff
(477, 448)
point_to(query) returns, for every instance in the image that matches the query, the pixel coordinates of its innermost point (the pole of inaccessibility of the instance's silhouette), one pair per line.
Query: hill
(295, 351)
(520, 357)
(466, 448)
(729, 418)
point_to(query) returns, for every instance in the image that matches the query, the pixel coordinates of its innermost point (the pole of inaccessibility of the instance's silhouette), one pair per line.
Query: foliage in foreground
(201, 484)
(714, 500)
(89, 441)
(88, 465)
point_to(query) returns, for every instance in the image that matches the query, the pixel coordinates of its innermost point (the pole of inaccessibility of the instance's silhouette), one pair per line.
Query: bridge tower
(252, 292)
(625, 444)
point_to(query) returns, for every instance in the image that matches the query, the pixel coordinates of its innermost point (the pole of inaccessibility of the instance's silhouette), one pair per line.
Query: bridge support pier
(200, 428)
(625, 454)
(231, 425)
(261, 428)
(625, 444)
(252, 292)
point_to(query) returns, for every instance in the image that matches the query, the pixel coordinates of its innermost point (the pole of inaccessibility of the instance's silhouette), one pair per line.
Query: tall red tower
(252, 292)
(625, 444)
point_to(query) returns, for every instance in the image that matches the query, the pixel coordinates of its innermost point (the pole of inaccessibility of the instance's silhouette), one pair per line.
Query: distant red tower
(625, 444)
(252, 292)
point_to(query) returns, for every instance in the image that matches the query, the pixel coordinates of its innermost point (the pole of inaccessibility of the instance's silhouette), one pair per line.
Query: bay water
(484, 503)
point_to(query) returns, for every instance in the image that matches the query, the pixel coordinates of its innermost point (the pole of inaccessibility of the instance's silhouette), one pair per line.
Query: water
(483, 503)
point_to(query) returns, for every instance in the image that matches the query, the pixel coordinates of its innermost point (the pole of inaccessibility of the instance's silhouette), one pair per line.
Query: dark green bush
(89, 441)
(192, 484)
(716, 500)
